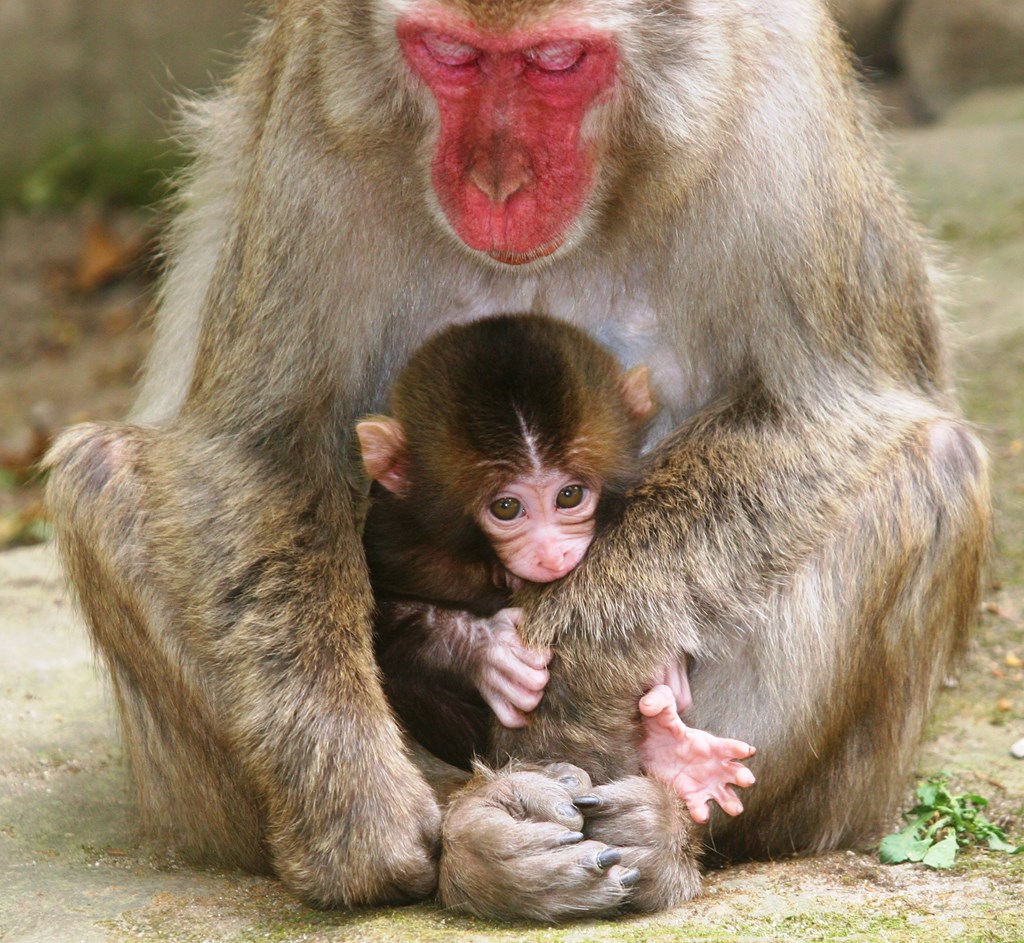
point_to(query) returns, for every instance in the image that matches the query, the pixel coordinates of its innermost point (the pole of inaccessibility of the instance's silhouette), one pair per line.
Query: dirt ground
(75, 294)
(74, 303)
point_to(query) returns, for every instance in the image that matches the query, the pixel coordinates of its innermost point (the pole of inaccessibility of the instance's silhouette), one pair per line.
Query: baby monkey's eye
(570, 496)
(506, 509)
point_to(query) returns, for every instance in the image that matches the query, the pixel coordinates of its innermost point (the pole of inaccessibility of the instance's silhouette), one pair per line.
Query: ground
(72, 867)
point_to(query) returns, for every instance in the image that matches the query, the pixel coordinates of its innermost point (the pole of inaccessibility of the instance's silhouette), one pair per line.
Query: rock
(1017, 750)
(951, 47)
(870, 27)
(106, 67)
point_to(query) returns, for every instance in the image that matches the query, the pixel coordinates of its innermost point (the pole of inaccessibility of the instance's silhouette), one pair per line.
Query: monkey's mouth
(522, 258)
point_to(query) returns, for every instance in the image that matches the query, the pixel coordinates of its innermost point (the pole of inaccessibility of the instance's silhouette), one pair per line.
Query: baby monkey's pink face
(540, 526)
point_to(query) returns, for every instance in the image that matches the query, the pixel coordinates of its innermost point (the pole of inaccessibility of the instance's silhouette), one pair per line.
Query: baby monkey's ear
(635, 384)
(382, 445)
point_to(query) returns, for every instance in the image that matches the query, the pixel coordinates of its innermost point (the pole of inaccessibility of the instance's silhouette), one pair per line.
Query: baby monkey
(512, 441)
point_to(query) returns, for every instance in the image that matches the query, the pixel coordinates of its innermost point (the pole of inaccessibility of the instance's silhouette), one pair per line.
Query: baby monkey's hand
(698, 765)
(509, 674)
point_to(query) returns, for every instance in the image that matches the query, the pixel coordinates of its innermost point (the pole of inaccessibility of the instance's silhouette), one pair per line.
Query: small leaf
(918, 850)
(895, 848)
(999, 843)
(943, 854)
(904, 846)
(984, 827)
(928, 793)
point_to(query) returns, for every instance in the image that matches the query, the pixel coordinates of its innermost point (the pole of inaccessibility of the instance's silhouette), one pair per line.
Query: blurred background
(87, 91)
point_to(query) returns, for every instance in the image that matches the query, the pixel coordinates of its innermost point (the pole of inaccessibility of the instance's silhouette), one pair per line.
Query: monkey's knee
(94, 495)
(957, 457)
(86, 458)
(87, 465)
(958, 467)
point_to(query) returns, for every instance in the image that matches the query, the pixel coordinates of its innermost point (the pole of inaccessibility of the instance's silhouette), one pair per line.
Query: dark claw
(570, 782)
(608, 857)
(587, 802)
(570, 838)
(630, 877)
(567, 811)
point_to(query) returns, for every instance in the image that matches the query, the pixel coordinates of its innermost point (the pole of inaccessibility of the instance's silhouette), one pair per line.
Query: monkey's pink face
(540, 527)
(512, 169)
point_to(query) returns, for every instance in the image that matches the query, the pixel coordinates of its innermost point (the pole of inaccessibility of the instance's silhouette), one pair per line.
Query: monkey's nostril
(496, 187)
(500, 170)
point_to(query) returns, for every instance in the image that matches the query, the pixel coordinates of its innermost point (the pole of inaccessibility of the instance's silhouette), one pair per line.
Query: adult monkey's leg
(823, 577)
(250, 705)
(872, 621)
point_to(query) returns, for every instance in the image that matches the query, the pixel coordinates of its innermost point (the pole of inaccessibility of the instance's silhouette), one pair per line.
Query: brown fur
(504, 15)
(466, 395)
(478, 405)
(810, 533)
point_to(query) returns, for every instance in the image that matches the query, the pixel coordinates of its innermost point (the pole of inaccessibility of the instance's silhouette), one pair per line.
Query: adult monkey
(695, 182)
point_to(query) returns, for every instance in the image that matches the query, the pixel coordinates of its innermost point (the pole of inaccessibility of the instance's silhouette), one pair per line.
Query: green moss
(896, 922)
(999, 867)
(110, 171)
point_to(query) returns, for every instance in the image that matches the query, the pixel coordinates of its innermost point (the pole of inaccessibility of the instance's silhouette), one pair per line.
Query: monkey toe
(576, 780)
(512, 847)
(650, 827)
(630, 877)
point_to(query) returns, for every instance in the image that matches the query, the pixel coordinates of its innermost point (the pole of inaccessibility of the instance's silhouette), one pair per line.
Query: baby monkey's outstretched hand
(697, 764)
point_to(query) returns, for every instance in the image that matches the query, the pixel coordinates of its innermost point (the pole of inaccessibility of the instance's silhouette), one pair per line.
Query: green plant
(102, 169)
(940, 824)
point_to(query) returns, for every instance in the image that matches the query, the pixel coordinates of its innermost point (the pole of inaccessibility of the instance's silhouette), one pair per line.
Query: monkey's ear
(382, 444)
(636, 391)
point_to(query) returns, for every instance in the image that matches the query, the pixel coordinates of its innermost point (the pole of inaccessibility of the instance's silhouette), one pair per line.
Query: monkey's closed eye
(506, 509)
(570, 496)
(555, 56)
(449, 51)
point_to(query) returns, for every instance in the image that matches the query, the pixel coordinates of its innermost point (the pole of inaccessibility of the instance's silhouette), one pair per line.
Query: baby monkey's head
(521, 424)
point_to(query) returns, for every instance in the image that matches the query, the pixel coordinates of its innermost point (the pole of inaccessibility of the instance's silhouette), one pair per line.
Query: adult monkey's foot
(514, 846)
(650, 827)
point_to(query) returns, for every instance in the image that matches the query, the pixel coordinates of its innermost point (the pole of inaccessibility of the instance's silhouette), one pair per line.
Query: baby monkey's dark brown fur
(480, 407)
